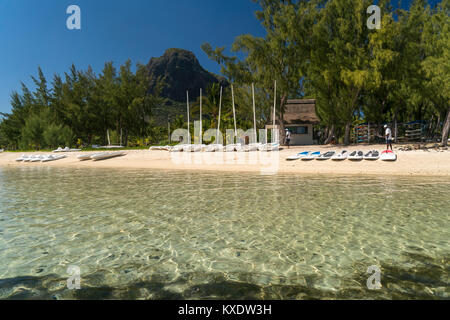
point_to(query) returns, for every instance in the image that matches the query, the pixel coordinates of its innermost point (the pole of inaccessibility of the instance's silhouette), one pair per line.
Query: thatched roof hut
(299, 118)
(301, 112)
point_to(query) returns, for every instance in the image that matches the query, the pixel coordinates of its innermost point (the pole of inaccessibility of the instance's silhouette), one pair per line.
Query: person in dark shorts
(288, 138)
(388, 135)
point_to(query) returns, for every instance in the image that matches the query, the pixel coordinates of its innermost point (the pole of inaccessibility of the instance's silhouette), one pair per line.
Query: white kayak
(326, 156)
(356, 155)
(340, 156)
(107, 155)
(372, 155)
(298, 156)
(388, 155)
(50, 158)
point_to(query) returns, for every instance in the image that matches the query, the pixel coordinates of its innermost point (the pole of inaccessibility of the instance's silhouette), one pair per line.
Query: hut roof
(301, 112)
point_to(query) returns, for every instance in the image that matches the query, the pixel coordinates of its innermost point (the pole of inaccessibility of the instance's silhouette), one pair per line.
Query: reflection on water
(139, 234)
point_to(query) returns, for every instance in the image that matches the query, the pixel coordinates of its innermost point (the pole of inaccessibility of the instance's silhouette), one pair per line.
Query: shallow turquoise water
(139, 234)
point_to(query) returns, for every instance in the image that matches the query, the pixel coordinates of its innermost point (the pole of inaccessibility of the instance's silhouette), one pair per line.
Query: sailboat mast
(274, 104)
(254, 113)
(220, 111)
(201, 125)
(274, 112)
(188, 120)
(234, 111)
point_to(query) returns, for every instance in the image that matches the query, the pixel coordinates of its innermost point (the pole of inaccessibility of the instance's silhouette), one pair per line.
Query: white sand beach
(416, 162)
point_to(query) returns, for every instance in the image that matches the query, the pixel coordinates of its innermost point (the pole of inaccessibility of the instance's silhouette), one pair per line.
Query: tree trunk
(330, 135)
(395, 125)
(347, 133)
(446, 129)
(283, 128)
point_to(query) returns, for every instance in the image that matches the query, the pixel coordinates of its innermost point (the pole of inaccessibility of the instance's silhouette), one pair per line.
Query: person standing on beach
(388, 135)
(288, 138)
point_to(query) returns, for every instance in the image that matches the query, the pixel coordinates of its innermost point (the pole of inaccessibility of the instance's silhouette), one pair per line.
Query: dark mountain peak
(182, 71)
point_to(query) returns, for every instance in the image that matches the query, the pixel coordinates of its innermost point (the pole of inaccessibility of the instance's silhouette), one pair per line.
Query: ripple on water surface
(173, 235)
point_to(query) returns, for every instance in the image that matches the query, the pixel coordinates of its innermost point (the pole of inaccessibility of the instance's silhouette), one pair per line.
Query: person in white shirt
(288, 138)
(388, 135)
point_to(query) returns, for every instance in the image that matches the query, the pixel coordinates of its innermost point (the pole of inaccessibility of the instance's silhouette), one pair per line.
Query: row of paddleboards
(100, 156)
(373, 155)
(40, 158)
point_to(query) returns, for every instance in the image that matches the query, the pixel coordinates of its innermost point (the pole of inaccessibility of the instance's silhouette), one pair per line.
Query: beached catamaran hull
(106, 155)
(51, 158)
(84, 157)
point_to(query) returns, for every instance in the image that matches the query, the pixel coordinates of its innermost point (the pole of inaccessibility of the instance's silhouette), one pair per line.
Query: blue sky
(33, 33)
